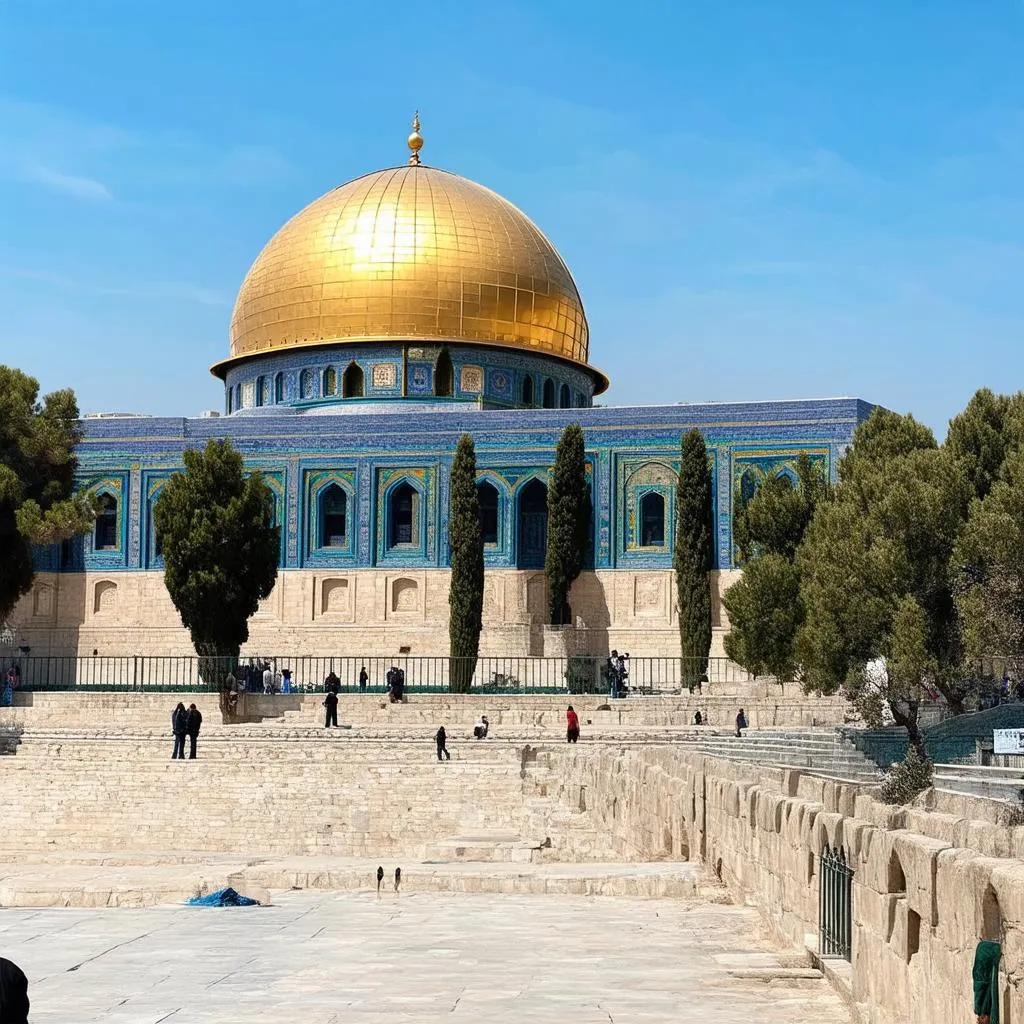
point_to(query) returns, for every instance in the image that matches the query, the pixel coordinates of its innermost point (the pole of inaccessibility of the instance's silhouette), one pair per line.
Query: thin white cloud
(181, 290)
(71, 184)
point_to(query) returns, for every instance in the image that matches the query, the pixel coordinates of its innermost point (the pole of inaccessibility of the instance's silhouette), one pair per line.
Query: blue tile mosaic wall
(631, 451)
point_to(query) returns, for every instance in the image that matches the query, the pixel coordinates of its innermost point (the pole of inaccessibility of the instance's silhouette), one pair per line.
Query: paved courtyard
(317, 958)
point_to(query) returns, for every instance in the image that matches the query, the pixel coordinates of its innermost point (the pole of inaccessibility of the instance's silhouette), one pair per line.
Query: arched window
(333, 517)
(105, 536)
(652, 520)
(306, 384)
(443, 375)
(279, 389)
(581, 402)
(238, 396)
(548, 394)
(564, 399)
(352, 381)
(330, 381)
(528, 392)
(263, 391)
(487, 499)
(227, 401)
(532, 541)
(749, 482)
(403, 515)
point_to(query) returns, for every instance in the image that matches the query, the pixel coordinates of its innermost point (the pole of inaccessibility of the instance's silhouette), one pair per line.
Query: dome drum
(334, 376)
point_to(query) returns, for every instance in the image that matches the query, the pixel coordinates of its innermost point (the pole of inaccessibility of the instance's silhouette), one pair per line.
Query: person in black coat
(331, 703)
(441, 738)
(179, 726)
(14, 1005)
(193, 720)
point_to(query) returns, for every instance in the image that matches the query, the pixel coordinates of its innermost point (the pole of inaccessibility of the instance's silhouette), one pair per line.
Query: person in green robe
(986, 982)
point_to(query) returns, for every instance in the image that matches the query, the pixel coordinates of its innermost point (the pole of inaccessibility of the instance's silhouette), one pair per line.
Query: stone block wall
(929, 882)
(364, 612)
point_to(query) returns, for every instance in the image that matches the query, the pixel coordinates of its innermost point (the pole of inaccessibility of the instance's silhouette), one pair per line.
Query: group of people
(185, 722)
(483, 726)
(616, 674)
(260, 677)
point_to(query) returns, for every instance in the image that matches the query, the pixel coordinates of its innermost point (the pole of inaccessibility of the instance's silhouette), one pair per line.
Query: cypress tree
(568, 520)
(466, 596)
(693, 556)
(220, 549)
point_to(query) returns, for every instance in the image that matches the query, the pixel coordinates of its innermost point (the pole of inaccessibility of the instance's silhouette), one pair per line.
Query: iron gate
(835, 880)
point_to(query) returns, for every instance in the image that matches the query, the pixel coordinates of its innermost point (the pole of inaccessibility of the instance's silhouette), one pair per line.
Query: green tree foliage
(37, 467)
(693, 556)
(990, 561)
(907, 778)
(980, 437)
(466, 595)
(220, 550)
(764, 606)
(880, 621)
(568, 521)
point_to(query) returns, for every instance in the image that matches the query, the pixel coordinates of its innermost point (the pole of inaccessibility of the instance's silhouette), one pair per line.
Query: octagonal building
(385, 319)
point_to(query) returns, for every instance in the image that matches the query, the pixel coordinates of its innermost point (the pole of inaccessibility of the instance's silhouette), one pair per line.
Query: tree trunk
(908, 720)
(215, 664)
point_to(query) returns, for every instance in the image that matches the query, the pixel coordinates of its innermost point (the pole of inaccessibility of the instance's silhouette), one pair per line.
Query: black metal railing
(835, 906)
(307, 673)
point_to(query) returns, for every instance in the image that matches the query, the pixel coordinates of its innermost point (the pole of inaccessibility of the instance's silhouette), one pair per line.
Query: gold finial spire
(415, 140)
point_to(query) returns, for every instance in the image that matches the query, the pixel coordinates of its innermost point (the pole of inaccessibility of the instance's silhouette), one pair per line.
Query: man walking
(193, 720)
(442, 740)
(741, 722)
(331, 703)
(179, 726)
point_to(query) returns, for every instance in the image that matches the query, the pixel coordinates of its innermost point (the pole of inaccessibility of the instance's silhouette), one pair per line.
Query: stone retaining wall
(929, 881)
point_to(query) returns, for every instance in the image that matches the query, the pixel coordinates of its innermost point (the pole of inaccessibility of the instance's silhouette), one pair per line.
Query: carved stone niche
(405, 597)
(650, 597)
(336, 597)
(104, 600)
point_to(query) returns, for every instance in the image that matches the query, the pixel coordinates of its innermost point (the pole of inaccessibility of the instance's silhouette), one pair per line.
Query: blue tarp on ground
(222, 898)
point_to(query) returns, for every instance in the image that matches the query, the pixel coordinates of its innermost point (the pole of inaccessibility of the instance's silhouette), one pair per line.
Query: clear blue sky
(795, 199)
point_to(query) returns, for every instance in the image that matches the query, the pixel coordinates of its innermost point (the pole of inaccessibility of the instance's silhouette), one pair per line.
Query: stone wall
(929, 882)
(365, 612)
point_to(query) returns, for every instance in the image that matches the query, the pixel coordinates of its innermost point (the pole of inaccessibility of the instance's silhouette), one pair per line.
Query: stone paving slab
(316, 958)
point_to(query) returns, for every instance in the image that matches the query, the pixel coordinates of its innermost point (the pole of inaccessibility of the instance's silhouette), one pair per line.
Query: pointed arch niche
(353, 382)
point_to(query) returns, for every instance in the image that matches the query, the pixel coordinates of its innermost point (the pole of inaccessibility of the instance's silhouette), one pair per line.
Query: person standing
(14, 1004)
(268, 680)
(10, 684)
(332, 684)
(572, 725)
(741, 722)
(442, 739)
(179, 726)
(331, 703)
(364, 678)
(193, 720)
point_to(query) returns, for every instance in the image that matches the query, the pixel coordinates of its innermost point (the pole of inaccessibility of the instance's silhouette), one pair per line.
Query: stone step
(48, 880)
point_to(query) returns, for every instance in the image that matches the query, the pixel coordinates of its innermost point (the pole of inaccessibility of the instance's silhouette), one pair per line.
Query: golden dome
(413, 254)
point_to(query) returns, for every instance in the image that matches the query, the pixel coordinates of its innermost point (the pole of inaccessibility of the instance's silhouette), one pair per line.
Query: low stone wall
(929, 881)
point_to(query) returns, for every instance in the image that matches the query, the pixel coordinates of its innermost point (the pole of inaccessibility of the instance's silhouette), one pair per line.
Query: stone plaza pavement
(318, 958)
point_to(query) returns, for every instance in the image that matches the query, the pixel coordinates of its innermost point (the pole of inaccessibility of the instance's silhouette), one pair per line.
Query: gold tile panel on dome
(410, 253)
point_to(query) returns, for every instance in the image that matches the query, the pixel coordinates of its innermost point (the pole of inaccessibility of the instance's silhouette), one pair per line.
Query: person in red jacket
(572, 726)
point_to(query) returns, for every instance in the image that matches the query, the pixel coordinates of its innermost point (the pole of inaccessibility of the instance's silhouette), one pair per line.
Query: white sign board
(1008, 741)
